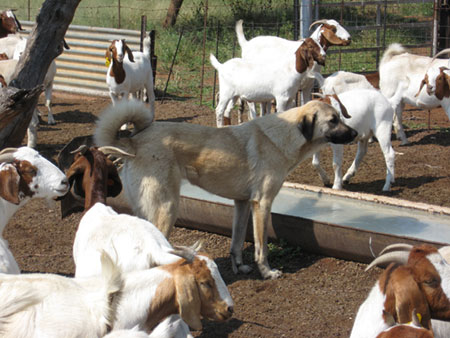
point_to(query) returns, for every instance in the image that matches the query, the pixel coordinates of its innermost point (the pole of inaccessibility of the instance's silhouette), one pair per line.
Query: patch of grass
(281, 252)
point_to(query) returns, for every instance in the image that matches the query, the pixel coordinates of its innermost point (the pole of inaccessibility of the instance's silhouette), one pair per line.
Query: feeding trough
(341, 224)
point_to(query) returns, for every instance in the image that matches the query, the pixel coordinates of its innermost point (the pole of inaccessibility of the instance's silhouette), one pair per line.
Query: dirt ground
(316, 296)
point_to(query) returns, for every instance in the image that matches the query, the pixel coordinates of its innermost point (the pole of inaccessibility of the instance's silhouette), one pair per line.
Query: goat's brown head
(437, 82)
(308, 52)
(8, 23)
(422, 282)
(414, 329)
(93, 176)
(117, 50)
(331, 33)
(25, 174)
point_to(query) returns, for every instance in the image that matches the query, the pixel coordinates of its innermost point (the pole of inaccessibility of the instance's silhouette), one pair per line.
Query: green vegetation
(268, 17)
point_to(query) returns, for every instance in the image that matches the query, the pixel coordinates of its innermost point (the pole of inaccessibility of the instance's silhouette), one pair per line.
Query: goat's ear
(301, 60)
(408, 296)
(424, 81)
(129, 52)
(331, 37)
(307, 125)
(341, 105)
(108, 55)
(9, 184)
(114, 184)
(75, 176)
(188, 299)
(442, 86)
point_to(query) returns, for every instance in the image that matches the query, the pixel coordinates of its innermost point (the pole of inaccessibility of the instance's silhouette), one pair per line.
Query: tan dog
(247, 163)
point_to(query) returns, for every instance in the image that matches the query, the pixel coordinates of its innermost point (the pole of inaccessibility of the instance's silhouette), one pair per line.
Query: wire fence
(205, 27)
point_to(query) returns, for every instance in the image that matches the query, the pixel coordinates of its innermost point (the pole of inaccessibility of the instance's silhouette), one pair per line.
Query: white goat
(171, 327)
(58, 306)
(421, 282)
(370, 115)
(8, 45)
(328, 33)
(264, 81)
(401, 75)
(128, 75)
(342, 81)
(24, 174)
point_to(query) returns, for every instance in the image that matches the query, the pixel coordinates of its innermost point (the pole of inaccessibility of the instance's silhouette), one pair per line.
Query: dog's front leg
(262, 218)
(240, 222)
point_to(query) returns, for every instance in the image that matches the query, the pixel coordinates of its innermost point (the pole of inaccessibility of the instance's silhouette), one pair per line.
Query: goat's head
(436, 82)
(422, 282)
(330, 33)
(335, 102)
(308, 52)
(201, 292)
(93, 176)
(25, 174)
(9, 23)
(116, 51)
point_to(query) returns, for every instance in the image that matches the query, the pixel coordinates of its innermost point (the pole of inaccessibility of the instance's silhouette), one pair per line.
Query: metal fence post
(203, 55)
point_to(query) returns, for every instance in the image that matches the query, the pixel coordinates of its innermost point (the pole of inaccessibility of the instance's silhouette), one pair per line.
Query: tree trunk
(44, 44)
(172, 13)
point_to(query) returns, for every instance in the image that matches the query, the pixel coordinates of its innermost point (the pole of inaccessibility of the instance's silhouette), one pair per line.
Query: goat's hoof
(244, 268)
(272, 274)
(51, 122)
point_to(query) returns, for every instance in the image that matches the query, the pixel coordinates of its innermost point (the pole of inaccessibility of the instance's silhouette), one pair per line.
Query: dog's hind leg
(240, 222)
(261, 220)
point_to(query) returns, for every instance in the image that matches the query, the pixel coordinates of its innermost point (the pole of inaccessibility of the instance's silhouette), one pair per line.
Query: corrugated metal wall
(81, 69)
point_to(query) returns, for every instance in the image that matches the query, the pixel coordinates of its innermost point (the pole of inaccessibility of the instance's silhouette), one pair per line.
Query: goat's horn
(444, 51)
(185, 252)
(396, 256)
(396, 246)
(318, 95)
(82, 149)
(6, 155)
(114, 150)
(317, 23)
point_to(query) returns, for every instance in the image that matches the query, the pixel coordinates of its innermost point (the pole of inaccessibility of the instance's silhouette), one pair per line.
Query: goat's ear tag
(107, 62)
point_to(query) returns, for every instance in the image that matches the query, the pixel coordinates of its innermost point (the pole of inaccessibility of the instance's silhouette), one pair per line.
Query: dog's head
(318, 121)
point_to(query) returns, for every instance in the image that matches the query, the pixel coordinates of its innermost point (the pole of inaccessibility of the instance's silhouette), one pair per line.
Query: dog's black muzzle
(341, 135)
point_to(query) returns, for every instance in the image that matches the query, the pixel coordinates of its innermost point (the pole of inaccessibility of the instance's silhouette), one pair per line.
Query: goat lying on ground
(410, 330)
(421, 282)
(136, 243)
(370, 115)
(264, 81)
(401, 75)
(24, 174)
(128, 75)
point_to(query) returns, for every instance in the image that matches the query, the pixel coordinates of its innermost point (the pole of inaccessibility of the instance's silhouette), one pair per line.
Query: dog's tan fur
(247, 163)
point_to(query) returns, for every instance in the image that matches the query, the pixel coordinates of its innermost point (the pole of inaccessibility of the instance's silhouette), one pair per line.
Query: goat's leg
(323, 175)
(360, 153)
(32, 130)
(251, 110)
(150, 94)
(383, 134)
(48, 103)
(338, 152)
(262, 219)
(398, 125)
(223, 110)
(283, 104)
(240, 222)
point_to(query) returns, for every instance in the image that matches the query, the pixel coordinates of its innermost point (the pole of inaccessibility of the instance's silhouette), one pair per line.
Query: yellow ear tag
(107, 62)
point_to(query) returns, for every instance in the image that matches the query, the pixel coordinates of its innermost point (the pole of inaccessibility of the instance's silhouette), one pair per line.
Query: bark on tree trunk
(44, 44)
(172, 13)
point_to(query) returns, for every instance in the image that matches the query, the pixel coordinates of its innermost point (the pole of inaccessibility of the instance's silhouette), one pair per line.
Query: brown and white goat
(8, 23)
(421, 282)
(413, 329)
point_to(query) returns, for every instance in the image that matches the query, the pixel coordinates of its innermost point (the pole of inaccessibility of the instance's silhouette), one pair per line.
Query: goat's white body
(400, 76)
(256, 82)
(371, 115)
(60, 306)
(136, 244)
(138, 76)
(369, 320)
(341, 81)
(7, 262)
(8, 45)
(48, 183)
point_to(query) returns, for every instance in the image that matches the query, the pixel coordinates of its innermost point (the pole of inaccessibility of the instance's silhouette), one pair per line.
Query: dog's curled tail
(112, 118)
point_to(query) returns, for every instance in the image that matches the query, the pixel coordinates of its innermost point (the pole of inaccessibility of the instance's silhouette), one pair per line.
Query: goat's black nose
(230, 309)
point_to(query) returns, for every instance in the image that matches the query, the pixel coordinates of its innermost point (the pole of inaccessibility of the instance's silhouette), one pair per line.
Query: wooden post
(153, 57)
(203, 52)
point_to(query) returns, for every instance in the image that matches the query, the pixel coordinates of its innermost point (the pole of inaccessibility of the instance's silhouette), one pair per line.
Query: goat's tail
(215, 63)
(393, 50)
(111, 119)
(146, 46)
(240, 33)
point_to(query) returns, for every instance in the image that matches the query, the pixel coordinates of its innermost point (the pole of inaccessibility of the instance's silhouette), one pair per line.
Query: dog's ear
(307, 125)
